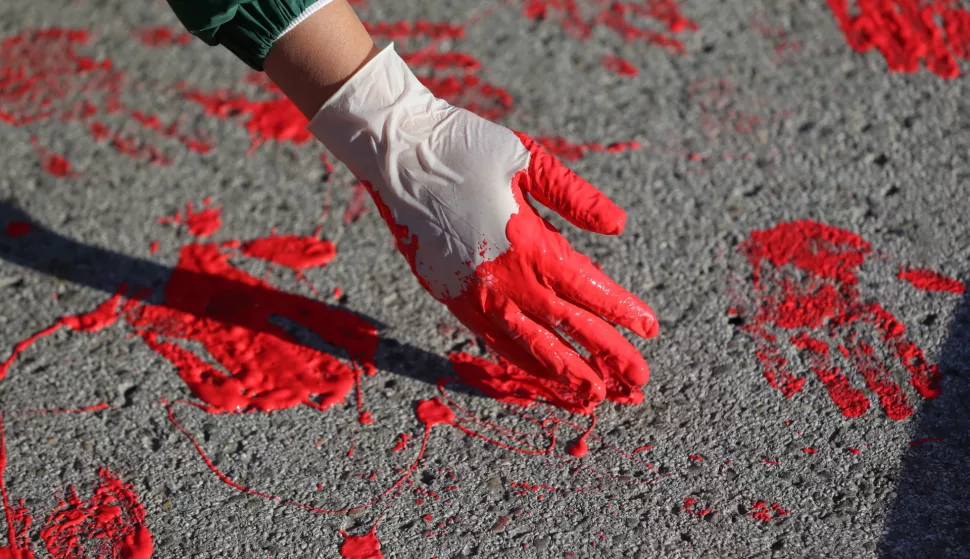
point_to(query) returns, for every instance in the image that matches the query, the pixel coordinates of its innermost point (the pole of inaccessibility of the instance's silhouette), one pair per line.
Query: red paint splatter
(695, 458)
(161, 36)
(928, 280)
(809, 450)
(804, 279)
(908, 32)
(44, 77)
(112, 522)
(925, 440)
(402, 442)
(203, 223)
(53, 164)
(764, 512)
(620, 66)
(571, 151)
(618, 16)
(297, 253)
(357, 206)
(153, 247)
(691, 508)
(17, 229)
(854, 451)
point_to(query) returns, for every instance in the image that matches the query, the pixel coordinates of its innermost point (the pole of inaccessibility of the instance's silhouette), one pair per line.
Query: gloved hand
(452, 188)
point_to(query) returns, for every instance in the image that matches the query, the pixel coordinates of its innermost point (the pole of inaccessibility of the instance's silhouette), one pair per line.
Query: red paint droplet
(929, 280)
(620, 66)
(296, 253)
(696, 457)
(16, 229)
(338, 293)
(809, 450)
(365, 418)
(855, 451)
(432, 412)
(764, 512)
(361, 547)
(153, 248)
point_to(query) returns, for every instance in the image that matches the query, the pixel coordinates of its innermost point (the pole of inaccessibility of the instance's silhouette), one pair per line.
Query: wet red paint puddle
(806, 293)
(908, 33)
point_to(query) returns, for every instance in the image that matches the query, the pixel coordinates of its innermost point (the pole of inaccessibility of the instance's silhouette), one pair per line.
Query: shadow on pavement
(50, 253)
(927, 517)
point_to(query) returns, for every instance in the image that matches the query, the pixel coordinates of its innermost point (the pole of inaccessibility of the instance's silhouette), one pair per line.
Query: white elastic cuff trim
(309, 11)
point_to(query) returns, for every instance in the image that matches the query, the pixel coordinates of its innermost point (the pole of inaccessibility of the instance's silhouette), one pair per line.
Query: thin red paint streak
(928, 280)
(621, 17)
(619, 66)
(202, 223)
(908, 33)
(804, 279)
(925, 440)
(572, 151)
(357, 206)
(44, 77)
(161, 36)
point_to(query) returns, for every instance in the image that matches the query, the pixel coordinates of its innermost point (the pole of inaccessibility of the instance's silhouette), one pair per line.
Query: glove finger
(576, 279)
(553, 353)
(617, 360)
(557, 187)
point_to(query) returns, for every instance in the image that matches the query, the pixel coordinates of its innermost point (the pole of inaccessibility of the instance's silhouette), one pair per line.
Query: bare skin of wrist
(312, 61)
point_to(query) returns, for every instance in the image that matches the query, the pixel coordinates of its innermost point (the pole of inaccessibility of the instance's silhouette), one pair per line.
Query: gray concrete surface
(839, 140)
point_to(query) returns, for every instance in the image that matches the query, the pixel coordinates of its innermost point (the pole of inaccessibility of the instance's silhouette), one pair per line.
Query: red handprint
(806, 289)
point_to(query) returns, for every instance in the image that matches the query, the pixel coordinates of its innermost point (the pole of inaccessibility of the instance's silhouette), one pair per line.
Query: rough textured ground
(765, 116)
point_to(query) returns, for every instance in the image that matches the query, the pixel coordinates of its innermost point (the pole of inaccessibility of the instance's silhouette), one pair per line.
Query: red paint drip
(297, 253)
(620, 66)
(928, 280)
(112, 522)
(908, 33)
(161, 36)
(579, 448)
(17, 229)
(202, 223)
(804, 278)
(357, 206)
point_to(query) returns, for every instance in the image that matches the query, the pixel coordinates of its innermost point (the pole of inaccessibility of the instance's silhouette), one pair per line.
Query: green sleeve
(248, 28)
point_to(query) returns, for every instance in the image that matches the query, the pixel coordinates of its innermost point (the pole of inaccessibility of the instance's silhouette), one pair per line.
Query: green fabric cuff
(248, 28)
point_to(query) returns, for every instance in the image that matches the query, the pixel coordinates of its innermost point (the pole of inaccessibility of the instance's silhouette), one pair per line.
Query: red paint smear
(619, 66)
(643, 449)
(809, 450)
(112, 522)
(925, 440)
(764, 512)
(402, 442)
(105, 315)
(161, 36)
(928, 280)
(202, 223)
(17, 229)
(908, 32)
(361, 547)
(804, 279)
(571, 151)
(297, 253)
(619, 17)
(357, 206)
(854, 451)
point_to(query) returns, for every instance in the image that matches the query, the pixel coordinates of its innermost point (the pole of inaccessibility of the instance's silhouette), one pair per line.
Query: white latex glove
(451, 186)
